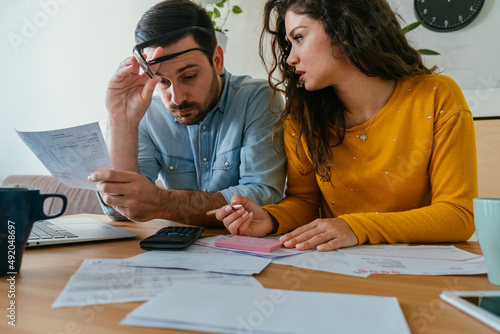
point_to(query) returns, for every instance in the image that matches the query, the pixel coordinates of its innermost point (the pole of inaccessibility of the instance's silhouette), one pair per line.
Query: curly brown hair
(369, 35)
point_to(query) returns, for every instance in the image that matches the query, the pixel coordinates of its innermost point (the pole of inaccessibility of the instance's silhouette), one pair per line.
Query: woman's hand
(324, 234)
(248, 220)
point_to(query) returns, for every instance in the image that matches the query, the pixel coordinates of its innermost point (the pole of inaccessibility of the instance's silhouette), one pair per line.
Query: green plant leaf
(220, 4)
(428, 52)
(216, 12)
(237, 10)
(411, 26)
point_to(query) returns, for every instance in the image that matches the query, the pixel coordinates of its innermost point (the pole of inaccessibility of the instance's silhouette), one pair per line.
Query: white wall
(470, 55)
(57, 56)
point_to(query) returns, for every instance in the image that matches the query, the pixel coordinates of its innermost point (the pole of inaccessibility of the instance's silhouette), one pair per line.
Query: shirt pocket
(175, 165)
(227, 161)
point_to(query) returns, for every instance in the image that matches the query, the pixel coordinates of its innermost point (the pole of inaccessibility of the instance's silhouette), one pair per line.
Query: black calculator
(172, 237)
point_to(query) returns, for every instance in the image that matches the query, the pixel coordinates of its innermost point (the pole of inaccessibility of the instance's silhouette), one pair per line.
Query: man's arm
(128, 97)
(122, 143)
(134, 196)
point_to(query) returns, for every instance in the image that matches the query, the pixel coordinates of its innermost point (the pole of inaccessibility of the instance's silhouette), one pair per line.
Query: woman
(379, 148)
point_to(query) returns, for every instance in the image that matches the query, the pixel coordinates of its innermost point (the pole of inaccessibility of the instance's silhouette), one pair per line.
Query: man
(207, 135)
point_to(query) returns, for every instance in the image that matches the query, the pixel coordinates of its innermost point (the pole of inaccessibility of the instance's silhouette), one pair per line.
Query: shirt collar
(221, 104)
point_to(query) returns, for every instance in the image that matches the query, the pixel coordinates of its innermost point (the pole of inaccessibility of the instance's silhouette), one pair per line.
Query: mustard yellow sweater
(412, 180)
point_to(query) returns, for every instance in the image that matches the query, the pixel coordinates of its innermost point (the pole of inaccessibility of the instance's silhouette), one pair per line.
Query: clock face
(447, 15)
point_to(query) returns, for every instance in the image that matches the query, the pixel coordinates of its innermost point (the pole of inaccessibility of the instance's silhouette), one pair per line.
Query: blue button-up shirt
(230, 151)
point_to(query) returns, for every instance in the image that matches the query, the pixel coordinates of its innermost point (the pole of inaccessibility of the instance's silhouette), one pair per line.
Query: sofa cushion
(79, 200)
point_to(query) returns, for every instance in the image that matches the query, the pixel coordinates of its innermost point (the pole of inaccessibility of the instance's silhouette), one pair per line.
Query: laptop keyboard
(45, 230)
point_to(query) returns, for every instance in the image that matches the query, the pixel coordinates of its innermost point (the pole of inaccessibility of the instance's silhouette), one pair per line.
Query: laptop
(72, 230)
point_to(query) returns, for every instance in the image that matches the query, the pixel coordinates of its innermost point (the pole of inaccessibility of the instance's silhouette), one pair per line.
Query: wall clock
(447, 15)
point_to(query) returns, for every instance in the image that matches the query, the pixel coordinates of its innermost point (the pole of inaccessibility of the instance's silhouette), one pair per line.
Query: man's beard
(210, 102)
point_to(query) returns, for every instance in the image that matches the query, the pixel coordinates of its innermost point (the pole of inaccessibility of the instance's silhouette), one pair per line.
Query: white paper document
(333, 262)
(414, 260)
(393, 259)
(282, 252)
(70, 154)
(202, 258)
(106, 281)
(423, 252)
(191, 306)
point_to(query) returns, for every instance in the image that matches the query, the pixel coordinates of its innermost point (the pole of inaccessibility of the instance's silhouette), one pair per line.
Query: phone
(483, 305)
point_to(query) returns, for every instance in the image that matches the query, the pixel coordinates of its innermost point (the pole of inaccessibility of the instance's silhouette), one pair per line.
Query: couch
(79, 200)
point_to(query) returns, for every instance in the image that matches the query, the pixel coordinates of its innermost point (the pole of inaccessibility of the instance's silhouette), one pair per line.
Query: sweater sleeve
(453, 179)
(302, 201)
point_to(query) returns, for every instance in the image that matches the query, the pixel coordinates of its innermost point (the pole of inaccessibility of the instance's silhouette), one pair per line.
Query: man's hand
(131, 194)
(129, 93)
(135, 197)
(128, 97)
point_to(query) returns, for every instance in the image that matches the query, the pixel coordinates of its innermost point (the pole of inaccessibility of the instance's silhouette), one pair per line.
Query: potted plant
(412, 26)
(219, 11)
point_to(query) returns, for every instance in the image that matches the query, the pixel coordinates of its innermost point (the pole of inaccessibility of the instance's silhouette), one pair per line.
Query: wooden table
(46, 270)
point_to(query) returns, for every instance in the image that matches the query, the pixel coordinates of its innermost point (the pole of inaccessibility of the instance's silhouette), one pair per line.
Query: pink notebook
(250, 243)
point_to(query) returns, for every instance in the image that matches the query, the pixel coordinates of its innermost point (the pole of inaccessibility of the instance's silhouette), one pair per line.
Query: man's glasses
(145, 64)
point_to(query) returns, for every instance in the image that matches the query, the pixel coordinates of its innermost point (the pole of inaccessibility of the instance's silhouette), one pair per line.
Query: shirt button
(204, 127)
(171, 167)
(205, 159)
(226, 163)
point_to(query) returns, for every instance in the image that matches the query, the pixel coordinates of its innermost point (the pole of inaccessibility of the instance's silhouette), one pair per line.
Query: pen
(234, 206)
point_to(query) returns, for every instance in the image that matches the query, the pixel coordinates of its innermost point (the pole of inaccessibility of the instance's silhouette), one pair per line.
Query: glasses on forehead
(145, 64)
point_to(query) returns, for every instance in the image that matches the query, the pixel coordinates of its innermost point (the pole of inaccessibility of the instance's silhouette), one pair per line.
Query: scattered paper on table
(251, 310)
(414, 260)
(70, 154)
(393, 259)
(333, 262)
(202, 258)
(106, 281)
(423, 252)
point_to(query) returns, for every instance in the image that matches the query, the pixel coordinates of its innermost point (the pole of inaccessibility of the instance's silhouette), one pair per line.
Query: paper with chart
(106, 281)
(254, 310)
(70, 154)
(202, 258)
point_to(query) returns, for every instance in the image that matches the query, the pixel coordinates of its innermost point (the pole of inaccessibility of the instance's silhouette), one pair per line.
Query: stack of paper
(281, 252)
(253, 310)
